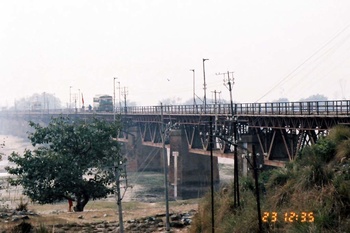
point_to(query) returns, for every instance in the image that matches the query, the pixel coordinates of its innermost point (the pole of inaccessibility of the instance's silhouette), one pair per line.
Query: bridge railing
(336, 107)
(329, 108)
(178, 109)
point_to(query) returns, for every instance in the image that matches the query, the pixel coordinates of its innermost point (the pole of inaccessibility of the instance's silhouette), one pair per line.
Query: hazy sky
(280, 48)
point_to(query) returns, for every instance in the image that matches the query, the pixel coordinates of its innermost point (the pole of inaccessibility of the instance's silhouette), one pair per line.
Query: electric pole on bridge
(114, 108)
(194, 87)
(125, 93)
(216, 108)
(228, 83)
(205, 87)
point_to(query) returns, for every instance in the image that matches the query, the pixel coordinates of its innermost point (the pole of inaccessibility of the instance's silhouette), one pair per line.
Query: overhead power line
(305, 61)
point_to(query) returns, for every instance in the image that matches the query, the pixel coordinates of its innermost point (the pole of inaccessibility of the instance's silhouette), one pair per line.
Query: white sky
(48, 46)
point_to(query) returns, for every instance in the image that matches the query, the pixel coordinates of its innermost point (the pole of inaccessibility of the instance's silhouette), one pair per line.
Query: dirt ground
(104, 210)
(98, 211)
(142, 200)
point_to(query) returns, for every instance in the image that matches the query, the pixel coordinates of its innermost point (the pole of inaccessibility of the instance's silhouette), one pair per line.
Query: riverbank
(143, 199)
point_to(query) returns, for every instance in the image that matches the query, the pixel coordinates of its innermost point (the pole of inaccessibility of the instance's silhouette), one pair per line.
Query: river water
(18, 144)
(11, 144)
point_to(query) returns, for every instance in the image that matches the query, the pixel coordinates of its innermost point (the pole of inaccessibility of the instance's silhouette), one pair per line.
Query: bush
(23, 227)
(22, 206)
(316, 182)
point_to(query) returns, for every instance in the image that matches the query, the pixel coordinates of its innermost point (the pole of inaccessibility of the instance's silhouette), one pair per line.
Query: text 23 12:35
(289, 217)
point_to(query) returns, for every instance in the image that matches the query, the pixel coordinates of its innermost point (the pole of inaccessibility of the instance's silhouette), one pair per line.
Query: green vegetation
(72, 160)
(316, 187)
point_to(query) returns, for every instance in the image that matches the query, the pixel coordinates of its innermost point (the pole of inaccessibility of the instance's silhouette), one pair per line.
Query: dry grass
(95, 211)
(98, 211)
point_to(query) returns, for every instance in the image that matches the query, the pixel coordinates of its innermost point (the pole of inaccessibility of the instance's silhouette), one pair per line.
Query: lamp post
(204, 87)
(194, 89)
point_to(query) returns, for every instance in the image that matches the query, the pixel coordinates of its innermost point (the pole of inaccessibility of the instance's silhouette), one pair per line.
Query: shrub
(23, 227)
(22, 206)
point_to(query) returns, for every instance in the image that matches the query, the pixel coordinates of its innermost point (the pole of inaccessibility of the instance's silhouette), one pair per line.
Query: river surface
(11, 144)
(140, 188)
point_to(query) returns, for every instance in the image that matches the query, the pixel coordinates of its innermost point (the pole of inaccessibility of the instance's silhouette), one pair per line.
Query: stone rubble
(148, 224)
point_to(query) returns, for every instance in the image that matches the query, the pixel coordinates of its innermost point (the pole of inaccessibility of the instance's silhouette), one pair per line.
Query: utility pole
(125, 93)
(114, 109)
(165, 159)
(120, 103)
(194, 88)
(204, 87)
(216, 109)
(255, 167)
(70, 98)
(216, 92)
(256, 177)
(229, 82)
(44, 103)
(79, 105)
(211, 173)
(119, 198)
(75, 103)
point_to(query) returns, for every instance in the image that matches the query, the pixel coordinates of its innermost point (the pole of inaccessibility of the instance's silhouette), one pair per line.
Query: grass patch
(317, 182)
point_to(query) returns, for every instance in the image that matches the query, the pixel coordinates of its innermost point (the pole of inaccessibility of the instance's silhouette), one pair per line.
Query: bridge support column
(245, 146)
(189, 174)
(140, 157)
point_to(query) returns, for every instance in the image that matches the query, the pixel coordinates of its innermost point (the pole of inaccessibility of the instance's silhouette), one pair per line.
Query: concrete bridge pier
(141, 157)
(189, 174)
(245, 149)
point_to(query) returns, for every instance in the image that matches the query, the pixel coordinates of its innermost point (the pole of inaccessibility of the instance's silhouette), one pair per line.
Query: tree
(282, 100)
(72, 160)
(47, 101)
(317, 97)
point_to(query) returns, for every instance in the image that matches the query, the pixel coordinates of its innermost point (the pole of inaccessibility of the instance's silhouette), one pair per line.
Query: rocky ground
(145, 217)
(140, 214)
(143, 207)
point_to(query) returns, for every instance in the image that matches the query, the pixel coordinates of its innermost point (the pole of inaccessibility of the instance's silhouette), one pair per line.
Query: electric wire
(151, 153)
(289, 75)
(307, 83)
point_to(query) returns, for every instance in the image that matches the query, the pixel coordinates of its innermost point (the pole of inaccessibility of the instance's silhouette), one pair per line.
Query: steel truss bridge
(279, 129)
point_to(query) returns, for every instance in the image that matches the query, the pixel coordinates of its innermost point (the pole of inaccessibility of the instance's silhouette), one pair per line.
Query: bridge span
(279, 130)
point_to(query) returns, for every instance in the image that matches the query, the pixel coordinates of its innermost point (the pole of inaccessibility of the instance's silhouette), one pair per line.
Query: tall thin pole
(125, 93)
(119, 199)
(211, 174)
(236, 198)
(79, 105)
(255, 169)
(165, 159)
(236, 178)
(194, 88)
(216, 109)
(114, 98)
(120, 103)
(204, 87)
(75, 103)
(70, 97)
(235, 159)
